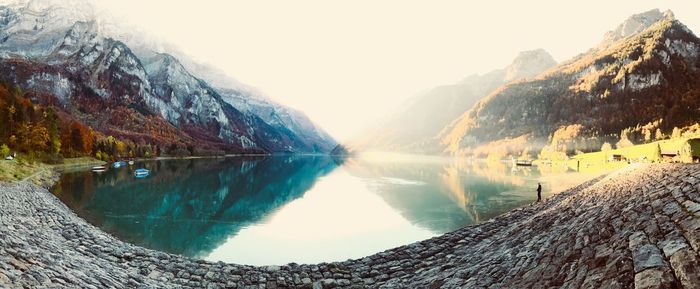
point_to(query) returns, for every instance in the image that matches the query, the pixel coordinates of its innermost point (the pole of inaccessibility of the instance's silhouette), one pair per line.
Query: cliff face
(640, 78)
(73, 58)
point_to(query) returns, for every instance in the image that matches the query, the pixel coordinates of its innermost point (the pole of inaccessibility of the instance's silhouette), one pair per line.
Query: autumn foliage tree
(23, 125)
(45, 132)
(77, 139)
(32, 137)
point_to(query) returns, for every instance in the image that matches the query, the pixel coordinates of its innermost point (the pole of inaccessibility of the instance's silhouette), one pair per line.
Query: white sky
(348, 63)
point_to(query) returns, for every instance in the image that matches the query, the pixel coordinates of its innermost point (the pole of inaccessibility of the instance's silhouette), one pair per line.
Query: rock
(692, 206)
(686, 266)
(670, 247)
(607, 233)
(653, 279)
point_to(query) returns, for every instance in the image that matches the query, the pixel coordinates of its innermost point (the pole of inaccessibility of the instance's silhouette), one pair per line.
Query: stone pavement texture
(635, 228)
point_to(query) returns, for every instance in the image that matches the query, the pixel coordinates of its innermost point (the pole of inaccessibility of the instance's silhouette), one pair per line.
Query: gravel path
(636, 228)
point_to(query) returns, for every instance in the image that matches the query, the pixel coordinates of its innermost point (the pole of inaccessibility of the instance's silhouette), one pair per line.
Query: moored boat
(99, 169)
(140, 173)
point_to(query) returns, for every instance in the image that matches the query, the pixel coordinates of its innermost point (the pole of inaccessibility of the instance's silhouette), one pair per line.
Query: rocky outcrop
(637, 228)
(633, 25)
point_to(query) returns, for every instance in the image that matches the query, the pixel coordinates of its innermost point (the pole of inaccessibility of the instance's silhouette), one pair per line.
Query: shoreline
(615, 230)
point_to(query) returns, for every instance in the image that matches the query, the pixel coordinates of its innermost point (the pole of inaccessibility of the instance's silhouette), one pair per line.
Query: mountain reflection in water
(280, 209)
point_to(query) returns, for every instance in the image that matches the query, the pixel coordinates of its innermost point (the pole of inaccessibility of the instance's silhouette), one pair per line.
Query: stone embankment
(636, 228)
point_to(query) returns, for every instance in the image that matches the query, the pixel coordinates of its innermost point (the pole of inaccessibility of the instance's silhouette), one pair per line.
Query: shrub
(4, 150)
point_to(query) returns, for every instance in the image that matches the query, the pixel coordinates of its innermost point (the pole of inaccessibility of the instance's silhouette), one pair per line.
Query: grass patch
(687, 149)
(17, 170)
(71, 164)
(20, 168)
(81, 161)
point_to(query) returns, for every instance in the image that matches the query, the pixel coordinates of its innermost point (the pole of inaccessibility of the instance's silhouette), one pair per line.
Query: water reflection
(301, 209)
(442, 194)
(189, 207)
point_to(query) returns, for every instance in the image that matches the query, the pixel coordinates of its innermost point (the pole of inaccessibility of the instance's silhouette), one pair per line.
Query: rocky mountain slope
(72, 58)
(415, 126)
(646, 70)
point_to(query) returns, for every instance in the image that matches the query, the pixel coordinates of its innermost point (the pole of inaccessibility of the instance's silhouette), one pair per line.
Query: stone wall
(636, 228)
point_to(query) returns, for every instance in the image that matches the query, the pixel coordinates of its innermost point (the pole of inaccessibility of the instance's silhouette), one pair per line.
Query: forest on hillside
(44, 133)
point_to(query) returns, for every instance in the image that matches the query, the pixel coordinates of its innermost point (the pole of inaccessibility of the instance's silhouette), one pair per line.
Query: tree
(4, 150)
(647, 135)
(120, 148)
(11, 117)
(658, 135)
(78, 139)
(623, 143)
(32, 137)
(606, 147)
(624, 139)
(676, 133)
(657, 153)
(51, 124)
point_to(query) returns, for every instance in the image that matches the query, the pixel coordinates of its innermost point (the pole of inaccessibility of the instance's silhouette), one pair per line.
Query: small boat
(99, 169)
(140, 173)
(523, 163)
(116, 165)
(131, 163)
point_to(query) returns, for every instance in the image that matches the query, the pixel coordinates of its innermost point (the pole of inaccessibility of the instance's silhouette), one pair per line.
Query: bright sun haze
(349, 64)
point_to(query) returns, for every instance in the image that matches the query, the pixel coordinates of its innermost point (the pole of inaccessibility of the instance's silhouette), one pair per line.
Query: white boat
(99, 169)
(131, 163)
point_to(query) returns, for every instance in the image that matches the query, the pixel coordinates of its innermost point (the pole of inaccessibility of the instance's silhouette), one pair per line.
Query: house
(617, 158)
(669, 154)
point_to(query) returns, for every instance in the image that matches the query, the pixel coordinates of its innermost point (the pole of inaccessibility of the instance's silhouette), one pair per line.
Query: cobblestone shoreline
(636, 228)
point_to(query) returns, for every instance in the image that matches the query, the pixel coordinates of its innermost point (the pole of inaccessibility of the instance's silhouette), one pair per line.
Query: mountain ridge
(85, 55)
(651, 75)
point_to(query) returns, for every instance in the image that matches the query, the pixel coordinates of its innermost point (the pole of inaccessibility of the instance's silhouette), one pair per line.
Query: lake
(303, 209)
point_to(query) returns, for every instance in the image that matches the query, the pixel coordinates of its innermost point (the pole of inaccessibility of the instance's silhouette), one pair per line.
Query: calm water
(300, 209)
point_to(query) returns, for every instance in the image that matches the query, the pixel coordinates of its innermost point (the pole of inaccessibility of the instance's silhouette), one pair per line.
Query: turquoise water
(281, 209)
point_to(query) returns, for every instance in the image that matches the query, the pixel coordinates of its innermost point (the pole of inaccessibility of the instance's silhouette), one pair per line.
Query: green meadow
(684, 149)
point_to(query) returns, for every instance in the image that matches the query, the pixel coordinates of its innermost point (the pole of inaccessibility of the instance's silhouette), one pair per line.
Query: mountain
(633, 25)
(67, 55)
(645, 73)
(414, 127)
(279, 117)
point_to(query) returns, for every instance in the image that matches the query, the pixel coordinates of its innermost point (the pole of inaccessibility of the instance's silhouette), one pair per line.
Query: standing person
(539, 192)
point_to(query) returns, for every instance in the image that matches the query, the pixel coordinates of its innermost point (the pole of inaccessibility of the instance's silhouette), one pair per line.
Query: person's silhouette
(539, 192)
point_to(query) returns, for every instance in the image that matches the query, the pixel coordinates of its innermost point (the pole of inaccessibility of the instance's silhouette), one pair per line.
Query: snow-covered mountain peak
(38, 14)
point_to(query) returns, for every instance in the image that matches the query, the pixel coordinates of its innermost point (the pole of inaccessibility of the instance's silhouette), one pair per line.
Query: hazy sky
(349, 63)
